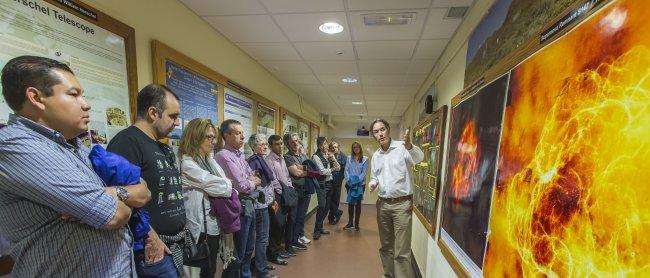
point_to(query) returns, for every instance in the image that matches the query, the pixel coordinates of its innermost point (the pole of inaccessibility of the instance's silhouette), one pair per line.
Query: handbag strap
(205, 219)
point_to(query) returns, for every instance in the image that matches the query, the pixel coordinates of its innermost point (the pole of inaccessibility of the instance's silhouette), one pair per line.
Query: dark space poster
(473, 147)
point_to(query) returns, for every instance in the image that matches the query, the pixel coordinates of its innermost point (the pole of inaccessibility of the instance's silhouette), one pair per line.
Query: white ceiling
(390, 62)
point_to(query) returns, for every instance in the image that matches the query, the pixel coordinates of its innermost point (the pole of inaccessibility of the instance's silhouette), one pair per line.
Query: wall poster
(475, 128)
(314, 132)
(265, 119)
(240, 108)
(289, 123)
(571, 197)
(99, 49)
(198, 95)
(303, 131)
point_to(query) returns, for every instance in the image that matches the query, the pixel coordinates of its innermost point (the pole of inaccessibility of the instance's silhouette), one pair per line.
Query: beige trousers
(394, 220)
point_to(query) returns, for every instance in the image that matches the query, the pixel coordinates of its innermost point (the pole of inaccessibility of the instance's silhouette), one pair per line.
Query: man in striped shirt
(57, 214)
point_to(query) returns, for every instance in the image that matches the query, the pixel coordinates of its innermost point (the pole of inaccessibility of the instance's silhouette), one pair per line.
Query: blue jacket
(311, 184)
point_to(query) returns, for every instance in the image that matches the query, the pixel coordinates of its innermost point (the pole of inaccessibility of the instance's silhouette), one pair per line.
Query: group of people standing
(64, 216)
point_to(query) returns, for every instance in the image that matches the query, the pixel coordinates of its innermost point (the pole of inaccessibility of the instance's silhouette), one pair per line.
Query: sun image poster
(573, 184)
(473, 148)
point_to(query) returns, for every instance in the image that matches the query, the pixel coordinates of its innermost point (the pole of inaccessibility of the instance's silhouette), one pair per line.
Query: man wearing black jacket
(338, 176)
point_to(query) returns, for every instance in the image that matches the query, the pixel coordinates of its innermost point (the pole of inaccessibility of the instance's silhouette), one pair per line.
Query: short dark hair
(225, 126)
(23, 72)
(153, 95)
(372, 125)
(320, 140)
(274, 138)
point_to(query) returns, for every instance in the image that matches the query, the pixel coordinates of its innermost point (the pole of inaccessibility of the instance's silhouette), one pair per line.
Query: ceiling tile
(382, 79)
(343, 89)
(378, 50)
(353, 109)
(358, 5)
(430, 49)
(247, 28)
(415, 79)
(400, 107)
(283, 67)
(334, 79)
(384, 66)
(411, 31)
(224, 7)
(439, 27)
(304, 27)
(381, 90)
(385, 97)
(325, 51)
(334, 67)
(347, 98)
(380, 112)
(421, 66)
(378, 104)
(305, 79)
(306, 89)
(299, 6)
(270, 51)
(452, 3)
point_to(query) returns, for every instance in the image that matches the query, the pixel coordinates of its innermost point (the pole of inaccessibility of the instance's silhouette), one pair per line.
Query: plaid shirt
(43, 176)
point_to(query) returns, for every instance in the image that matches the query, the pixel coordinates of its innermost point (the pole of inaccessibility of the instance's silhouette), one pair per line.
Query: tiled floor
(340, 254)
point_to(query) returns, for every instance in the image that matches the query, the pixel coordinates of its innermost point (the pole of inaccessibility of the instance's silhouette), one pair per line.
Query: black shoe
(333, 222)
(283, 256)
(348, 227)
(324, 232)
(299, 246)
(278, 261)
(316, 235)
(270, 267)
(290, 252)
(356, 228)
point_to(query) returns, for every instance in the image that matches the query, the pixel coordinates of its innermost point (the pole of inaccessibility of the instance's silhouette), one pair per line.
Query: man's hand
(154, 248)
(407, 139)
(139, 194)
(69, 218)
(373, 185)
(255, 181)
(275, 206)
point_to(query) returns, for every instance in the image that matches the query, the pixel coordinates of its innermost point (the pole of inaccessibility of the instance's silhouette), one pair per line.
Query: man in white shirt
(390, 172)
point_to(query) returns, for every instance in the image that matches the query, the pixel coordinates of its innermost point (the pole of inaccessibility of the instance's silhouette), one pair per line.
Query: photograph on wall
(265, 120)
(507, 26)
(571, 198)
(471, 166)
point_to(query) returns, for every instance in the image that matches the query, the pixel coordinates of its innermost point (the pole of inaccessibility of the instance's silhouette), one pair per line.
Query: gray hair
(256, 139)
(288, 137)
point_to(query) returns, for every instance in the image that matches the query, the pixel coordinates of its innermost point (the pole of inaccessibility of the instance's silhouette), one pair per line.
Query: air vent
(240, 88)
(457, 12)
(388, 19)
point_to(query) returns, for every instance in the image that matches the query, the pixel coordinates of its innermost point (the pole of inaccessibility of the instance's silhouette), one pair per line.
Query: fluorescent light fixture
(349, 80)
(357, 102)
(331, 28)
(378, 19)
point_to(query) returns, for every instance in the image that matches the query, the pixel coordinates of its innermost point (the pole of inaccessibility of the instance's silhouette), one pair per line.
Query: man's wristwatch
(122, 193)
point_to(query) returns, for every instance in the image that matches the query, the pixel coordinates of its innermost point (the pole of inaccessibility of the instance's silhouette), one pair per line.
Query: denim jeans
(261, 240)
(245, 243)
(301, 213)
(164, 268)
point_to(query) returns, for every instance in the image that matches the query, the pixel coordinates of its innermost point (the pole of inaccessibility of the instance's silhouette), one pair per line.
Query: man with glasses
(157, 114)
(390, 172)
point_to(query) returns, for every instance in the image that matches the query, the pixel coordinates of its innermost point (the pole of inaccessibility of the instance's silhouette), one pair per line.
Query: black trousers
(335, 201)
(354, 213)
(209, 270)
(324, 204)
(277, 221)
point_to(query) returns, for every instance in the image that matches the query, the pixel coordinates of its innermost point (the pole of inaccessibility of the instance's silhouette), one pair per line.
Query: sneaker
(304, 240)
(299, 246)
(316, 235)
(348, 227)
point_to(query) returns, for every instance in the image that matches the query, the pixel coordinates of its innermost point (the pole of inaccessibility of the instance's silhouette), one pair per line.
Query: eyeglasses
(382, 129)
(210, 137)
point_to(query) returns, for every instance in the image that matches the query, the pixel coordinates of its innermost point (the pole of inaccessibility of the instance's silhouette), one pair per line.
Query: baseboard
(416, 269)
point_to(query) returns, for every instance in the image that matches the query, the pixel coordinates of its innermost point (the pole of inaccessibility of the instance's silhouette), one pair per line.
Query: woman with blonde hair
(355, 183)
(203, 178)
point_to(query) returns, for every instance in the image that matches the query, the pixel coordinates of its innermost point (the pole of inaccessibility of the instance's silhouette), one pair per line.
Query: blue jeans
(164, 268)
(261, 240)
(244, 243)
(301, 213)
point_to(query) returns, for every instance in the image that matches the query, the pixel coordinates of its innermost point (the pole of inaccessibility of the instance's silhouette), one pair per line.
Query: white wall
(349, 130)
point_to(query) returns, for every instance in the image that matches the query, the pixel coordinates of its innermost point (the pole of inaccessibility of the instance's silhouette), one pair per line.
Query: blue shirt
(43, 176)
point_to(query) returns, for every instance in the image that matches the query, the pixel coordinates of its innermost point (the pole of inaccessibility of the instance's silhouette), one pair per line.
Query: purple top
(279, 168)
(236, 169)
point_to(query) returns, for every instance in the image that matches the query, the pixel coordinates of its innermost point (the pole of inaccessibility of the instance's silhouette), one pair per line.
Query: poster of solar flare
(572, 197)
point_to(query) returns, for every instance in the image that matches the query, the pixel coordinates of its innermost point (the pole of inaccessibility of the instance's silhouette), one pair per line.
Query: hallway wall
(169, 22)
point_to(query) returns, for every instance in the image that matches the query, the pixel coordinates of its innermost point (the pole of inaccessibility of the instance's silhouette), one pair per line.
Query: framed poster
(475, 129)
(238, 107)
(265, 119)
(314, 132)
(99, 49)
(289, 122)
(573, 179)
(303, 131)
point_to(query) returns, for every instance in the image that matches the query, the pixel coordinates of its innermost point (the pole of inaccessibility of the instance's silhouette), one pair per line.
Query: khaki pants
(394, 220)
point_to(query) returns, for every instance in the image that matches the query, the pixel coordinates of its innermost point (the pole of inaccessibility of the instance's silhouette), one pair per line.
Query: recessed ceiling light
(331, 28)
(349, 80)
(357, 102)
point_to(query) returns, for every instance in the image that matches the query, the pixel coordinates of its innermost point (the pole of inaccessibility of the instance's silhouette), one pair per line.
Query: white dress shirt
(196, 182)
(391, 169)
